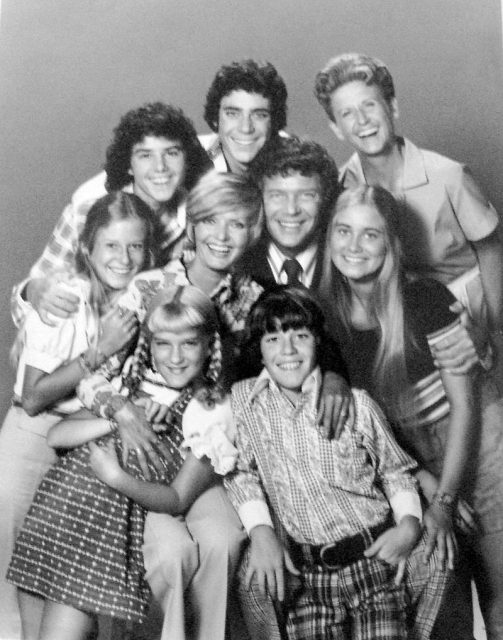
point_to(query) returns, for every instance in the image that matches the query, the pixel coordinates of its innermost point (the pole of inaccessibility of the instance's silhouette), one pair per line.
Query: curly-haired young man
(246, 108)
(154, 153)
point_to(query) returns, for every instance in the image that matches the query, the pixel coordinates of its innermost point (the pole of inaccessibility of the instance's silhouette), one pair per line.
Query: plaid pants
(359, 601)
(424, 590)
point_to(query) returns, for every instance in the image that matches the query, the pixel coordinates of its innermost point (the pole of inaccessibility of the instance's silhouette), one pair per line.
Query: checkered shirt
(321, 490)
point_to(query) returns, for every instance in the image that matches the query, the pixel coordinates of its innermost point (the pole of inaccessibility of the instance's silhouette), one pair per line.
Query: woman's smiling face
(358, 242)
(221, 239)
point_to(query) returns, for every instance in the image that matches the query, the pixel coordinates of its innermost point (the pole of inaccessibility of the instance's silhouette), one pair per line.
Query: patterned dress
(81, 542)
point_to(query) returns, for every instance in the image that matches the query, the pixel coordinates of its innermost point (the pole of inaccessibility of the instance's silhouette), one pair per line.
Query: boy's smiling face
(289, 356)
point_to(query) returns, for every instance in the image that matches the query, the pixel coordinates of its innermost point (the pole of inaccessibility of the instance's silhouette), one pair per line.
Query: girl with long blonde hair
(387, 328)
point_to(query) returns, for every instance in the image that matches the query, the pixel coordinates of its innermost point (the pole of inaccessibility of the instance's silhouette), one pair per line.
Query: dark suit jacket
(255, 264)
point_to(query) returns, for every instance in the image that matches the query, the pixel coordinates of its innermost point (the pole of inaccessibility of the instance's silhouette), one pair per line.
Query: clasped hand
(136, 432)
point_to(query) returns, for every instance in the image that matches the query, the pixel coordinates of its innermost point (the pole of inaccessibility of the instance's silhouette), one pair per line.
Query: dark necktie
(293, 270)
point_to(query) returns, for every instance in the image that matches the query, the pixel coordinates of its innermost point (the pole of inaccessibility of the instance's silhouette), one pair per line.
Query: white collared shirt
(306, 259)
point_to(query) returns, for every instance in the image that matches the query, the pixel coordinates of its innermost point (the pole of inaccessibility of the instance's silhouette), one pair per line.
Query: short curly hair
(292, 154)
(253, 77)
(349, 67)
(159, 120)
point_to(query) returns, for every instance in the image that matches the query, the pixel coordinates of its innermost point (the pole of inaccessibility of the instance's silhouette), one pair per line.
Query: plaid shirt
(233, 298)
(213, 147)
(59, 253)
(321, 490)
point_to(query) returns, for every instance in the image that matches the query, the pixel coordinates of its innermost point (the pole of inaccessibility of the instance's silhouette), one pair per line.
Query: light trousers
(24, 459)
(190, 564)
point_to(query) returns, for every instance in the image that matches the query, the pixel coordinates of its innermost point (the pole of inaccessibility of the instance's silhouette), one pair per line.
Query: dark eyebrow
(175, 145)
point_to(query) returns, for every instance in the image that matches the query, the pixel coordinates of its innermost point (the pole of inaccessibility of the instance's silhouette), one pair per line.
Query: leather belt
(335, 555)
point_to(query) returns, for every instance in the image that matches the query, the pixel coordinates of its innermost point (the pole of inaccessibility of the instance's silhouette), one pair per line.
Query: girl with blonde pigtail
(87, 517)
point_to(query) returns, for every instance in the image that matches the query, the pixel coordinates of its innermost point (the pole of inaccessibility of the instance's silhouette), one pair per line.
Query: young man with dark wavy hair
(245, 108)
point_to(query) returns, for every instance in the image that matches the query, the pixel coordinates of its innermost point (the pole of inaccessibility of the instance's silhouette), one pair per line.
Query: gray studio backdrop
(70, 69)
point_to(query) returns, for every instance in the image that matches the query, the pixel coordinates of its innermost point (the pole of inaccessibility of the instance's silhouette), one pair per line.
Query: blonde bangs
(176, 319)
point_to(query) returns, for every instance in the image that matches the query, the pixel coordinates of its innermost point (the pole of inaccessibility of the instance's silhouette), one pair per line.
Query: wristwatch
(445, 500)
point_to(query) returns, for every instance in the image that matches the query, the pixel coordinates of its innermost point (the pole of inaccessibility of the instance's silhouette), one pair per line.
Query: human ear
(393, 103)
(336, 130)
(189, 232)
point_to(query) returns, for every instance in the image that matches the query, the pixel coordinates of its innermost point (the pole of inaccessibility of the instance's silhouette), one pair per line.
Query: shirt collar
(223, 287)
(352, 172)
(176, 271)
(216, 155)
(181, 214)
(305, 258)
(414, 171)
(310, 387)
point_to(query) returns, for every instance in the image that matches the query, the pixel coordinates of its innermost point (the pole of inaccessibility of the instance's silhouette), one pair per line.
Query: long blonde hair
(390, 380)
(114, 206)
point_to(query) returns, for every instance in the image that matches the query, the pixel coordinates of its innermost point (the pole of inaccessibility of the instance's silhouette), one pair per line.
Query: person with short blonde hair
(448, 228)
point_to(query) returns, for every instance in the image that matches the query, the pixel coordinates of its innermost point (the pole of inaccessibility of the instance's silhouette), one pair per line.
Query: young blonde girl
(89, 534)
(387, 328)
(114, 245)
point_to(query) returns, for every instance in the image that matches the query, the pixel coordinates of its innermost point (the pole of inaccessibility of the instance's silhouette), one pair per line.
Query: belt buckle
(324, 557)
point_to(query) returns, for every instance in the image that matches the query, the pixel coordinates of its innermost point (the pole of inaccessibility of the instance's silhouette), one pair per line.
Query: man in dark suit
(298, 179)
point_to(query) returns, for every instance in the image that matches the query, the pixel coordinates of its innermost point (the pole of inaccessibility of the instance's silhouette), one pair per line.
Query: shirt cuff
(254, 513)
(406, 503)
(42, 360)
(22, 305)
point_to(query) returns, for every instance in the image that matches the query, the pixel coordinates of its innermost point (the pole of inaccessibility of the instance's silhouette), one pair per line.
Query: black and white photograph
(252, 334)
